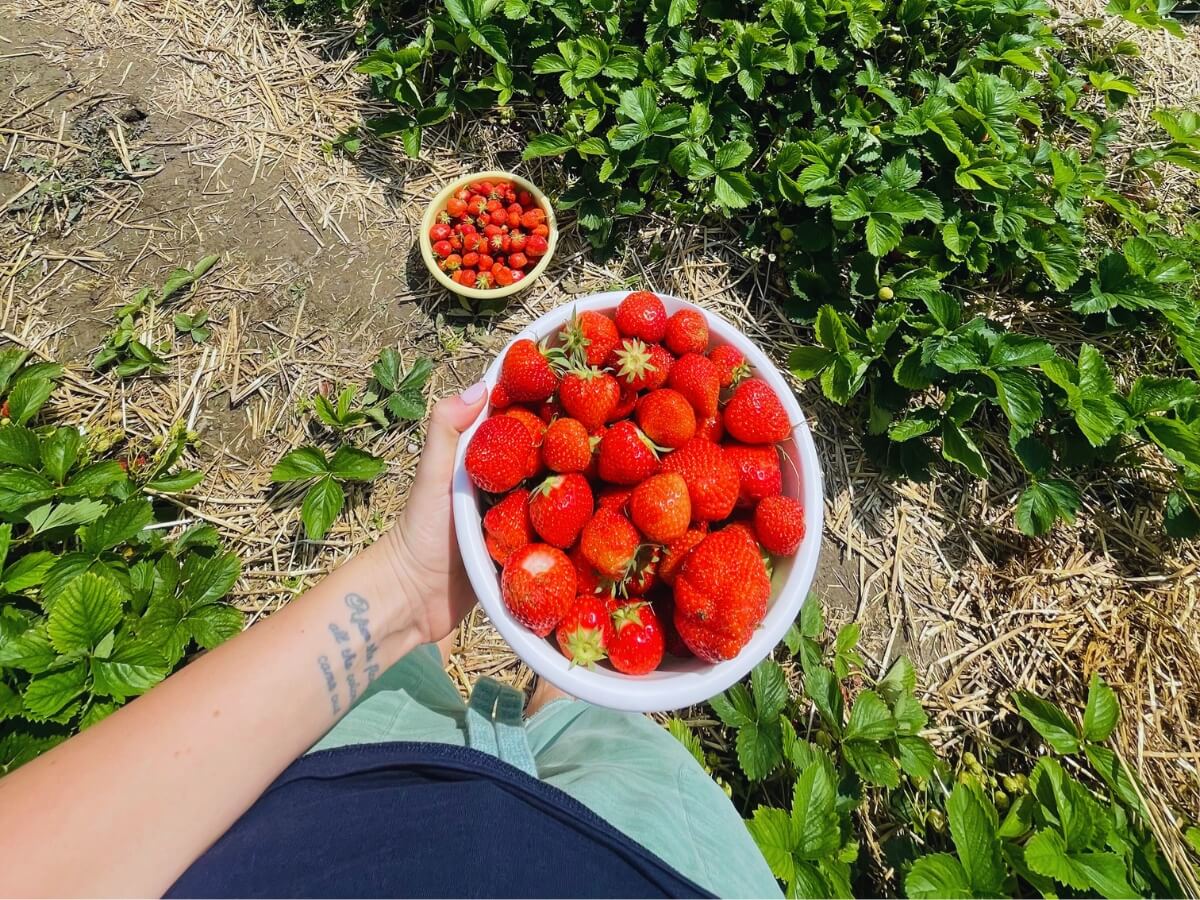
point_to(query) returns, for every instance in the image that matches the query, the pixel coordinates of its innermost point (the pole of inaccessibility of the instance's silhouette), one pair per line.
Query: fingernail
(474, 393)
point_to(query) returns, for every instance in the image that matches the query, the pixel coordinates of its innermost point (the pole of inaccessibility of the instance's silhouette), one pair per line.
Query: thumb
(451, 416)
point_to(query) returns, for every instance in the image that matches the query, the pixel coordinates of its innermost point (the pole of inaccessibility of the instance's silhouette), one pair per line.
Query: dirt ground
(140, 136)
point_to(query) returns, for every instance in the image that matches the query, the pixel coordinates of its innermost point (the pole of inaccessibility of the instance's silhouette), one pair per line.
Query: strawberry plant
(97, 601)
(324, 477)
(194, 325)
(815, 756)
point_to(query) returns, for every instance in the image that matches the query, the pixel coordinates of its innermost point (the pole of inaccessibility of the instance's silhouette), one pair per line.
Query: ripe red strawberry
(626, 455)
(779, 524)
(559, 507)
(697, 378)
(584, 633)
(549, 410)
(687, 332)
(500, 398)
(591, 336)
(711, 478)
(664, 607)
(745, 529)
(537, 431)
(721, 596)
(731, 364)
(587, 579)
(758, 471)
(641, 366)
(754, 414)
(636, 646)
(666, 417)
(589, 395)
(644, 574)
(506, 526)
(676, 552)
(609, 542)
(625, 405)
(498, 456)
(614, 498)
(642, 315)
(711, 429)
(660, 507)
(538, 587)
(566, 446)
(526, 372)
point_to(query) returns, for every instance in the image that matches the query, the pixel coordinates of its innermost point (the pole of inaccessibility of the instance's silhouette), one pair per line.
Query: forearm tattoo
(354, 661)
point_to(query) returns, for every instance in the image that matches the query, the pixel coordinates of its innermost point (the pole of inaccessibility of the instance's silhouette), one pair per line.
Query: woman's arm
(125, 807)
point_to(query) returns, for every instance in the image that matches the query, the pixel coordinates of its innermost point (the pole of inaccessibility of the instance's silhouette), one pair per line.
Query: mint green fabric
(622, 766)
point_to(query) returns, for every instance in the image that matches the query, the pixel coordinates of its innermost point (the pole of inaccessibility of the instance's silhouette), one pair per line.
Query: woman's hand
(423, 547)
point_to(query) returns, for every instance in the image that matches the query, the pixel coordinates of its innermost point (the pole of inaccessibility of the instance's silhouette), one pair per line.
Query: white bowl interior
(678, 682)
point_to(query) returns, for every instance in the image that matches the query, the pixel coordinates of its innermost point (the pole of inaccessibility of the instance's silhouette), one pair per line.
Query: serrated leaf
(20, 446)
(322, 504)
(870, 719)
(773, 832)
(1018, 395)
(936, 876)
(1046, 853)
(547, 145)
(873, 764)
(1103, 710)
(733, 190)
(57, 515)
(1044, 502)
(300, 465)
(89, 608)
(973, 825)
(46, 695)
(814, 818)
(734, 707)
(826, 694)
(916, 756)
(206, 579)
(28, 571)
(769, 689)
(133, 668)
(215, 623)
(959, 447)
(176, 482)
(1049, 721)
(351, 464)
(760, 748)
(30, 651)
(27, 397)
(830, 330)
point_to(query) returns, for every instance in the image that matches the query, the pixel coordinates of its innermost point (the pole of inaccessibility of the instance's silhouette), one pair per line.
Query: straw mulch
(318, 273)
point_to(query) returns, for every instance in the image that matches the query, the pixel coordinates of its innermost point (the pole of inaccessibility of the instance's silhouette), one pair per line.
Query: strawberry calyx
(575, 342)
(634, 360)
(547, 485)
(628, 614)
(586, 647)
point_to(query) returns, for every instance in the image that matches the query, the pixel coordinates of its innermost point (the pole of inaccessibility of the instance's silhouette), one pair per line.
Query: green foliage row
(97, 605)
(899, 163)
(810, 764)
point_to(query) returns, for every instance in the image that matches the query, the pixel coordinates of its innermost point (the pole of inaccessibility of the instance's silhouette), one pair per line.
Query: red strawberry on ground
(676, 553)
(754, 414)
(626, 455)
(711, 429)
(660, 507)
(567, 447)
(641, 366)
(666, 417)
(731, 364)
(589, 395)
(721, 596)
(642, 315)
(584, 633)
(526, 373)
(697, 378)
(779, 524)
(614, 498)
(559, 507)
(587, 579)
(538, 587)
(687, 332)
(712, 480)
(610, 543)
(758, 470)
(636, 646)
(591, 336)
(537, 431)
(506, 526)
(498, 456)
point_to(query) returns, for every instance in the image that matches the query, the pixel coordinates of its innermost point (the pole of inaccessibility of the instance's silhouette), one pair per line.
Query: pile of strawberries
(655, 490)
(489, 235)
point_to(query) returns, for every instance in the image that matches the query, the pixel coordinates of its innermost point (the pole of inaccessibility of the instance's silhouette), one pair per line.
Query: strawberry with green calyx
(567, 446)
(590, 338)
(529, 372)
(589, 395)
(583, 635)
(697, 378)
(731, 364)
(636, 646)
(754, 414)
(666, 417)
(641, 366)
(759, 474)
(661, 508)
(642, 315)
(506, 526)
(721, 595)
(687, 332)
(538, 587)
(779, 524)
(712, 480)
(498, 456)
(626, 456)
(610, 543)
(643, 574)
(559, 507)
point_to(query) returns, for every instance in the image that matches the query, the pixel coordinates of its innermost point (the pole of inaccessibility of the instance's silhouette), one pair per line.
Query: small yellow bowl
(439, 203)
